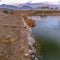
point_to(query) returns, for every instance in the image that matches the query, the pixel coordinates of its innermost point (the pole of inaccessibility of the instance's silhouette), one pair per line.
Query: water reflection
(47, 32)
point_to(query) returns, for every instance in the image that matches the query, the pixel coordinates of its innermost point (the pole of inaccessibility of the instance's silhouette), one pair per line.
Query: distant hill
(30, 6)
(37, 6)
(25, 7)
(33, 5)
(8, 6)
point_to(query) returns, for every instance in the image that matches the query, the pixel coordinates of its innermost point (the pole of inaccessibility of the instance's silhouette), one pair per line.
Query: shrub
(6, 11)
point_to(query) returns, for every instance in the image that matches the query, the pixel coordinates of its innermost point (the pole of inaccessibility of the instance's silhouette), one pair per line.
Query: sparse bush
(6, 11)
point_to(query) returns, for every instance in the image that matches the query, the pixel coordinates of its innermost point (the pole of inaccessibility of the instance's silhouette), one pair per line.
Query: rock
(30, 51)
(26, 54)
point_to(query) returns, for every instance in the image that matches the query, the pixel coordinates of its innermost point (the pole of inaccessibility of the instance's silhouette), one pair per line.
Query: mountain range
(8, 6)
(29, 6)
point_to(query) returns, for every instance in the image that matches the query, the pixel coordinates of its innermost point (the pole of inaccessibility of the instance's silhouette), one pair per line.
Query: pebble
(26, 54)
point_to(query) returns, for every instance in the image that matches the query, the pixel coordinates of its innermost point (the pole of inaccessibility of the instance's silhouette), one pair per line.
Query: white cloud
(13, 1)
(45, 0)
(24, 1)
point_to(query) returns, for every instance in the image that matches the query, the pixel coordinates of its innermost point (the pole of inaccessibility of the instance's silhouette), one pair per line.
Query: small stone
(30, 51)
(8, 36)
(26, 54)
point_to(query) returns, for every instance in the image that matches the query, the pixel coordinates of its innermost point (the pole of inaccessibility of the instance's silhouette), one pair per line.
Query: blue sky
(24, 1)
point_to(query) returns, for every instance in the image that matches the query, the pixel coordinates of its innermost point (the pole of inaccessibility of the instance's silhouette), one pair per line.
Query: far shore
(31, 12)
(37, 12)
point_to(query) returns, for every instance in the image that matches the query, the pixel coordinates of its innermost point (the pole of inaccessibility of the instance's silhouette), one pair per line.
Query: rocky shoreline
(31, 40)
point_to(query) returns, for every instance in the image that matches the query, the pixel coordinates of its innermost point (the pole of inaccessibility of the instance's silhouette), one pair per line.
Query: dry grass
(29, 22)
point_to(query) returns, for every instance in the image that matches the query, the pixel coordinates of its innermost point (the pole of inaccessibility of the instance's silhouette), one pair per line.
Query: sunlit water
(47, 32)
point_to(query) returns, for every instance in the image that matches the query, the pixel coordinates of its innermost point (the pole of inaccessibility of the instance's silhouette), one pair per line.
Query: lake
(47, 34)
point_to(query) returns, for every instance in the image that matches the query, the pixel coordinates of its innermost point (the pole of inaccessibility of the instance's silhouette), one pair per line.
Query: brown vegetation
(36, 12)
(29, 22)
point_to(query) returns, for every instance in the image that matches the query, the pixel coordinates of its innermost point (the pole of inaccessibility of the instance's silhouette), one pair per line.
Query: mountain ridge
(29, 6)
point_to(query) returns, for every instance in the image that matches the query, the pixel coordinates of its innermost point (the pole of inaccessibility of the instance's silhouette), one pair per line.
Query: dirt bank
(13, 39)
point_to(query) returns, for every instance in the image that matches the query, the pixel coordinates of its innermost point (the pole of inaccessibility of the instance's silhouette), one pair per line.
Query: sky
(25, 1)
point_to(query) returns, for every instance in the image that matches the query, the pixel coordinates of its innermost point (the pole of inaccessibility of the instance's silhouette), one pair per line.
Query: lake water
(47, 33)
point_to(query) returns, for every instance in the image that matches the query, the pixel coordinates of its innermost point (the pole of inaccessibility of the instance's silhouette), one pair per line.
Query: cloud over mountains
(26, 1)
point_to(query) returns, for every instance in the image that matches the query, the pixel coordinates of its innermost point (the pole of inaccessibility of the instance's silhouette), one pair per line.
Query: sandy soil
(13, 39)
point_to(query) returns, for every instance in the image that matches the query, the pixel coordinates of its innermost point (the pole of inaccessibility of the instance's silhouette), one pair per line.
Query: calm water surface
(47, 33)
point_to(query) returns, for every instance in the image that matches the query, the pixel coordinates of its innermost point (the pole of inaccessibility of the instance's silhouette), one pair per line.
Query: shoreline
(31, 40)
(37, 12)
